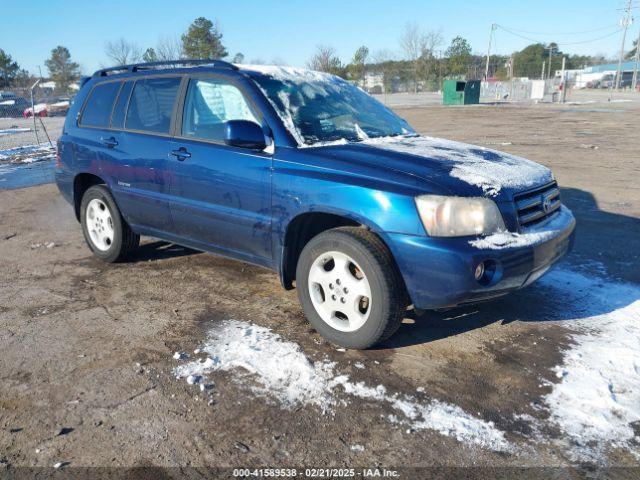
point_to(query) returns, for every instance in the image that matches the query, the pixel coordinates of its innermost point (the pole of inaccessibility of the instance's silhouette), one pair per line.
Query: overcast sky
(290, 30)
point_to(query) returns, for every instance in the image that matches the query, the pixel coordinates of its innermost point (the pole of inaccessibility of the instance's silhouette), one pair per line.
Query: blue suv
(304, 173)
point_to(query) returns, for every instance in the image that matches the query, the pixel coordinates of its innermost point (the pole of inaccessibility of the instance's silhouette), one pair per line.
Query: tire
(109, 237)
(368, 321)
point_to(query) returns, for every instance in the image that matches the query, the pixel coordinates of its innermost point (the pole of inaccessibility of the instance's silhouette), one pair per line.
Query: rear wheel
(107, 234)
(350, 288)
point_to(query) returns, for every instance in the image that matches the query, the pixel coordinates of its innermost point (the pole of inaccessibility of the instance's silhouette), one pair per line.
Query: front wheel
(350, 288)
(107, 234)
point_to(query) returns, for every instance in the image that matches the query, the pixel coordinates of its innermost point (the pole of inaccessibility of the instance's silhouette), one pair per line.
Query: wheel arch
(81, 183)
(304, 226)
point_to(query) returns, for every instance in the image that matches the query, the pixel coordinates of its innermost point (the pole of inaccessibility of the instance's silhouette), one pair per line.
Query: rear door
(137, 160)
(87, 141)
(221, 194)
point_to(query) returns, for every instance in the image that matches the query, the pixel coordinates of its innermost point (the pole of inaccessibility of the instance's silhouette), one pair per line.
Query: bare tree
(123, 52)
(278, 61)
(427, 64)
(419, 48)
(411, 41)
(325, 60)
(169, 48)
(384, 60)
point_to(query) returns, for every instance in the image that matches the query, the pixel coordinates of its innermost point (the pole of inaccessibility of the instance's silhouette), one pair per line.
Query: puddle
(14, 176)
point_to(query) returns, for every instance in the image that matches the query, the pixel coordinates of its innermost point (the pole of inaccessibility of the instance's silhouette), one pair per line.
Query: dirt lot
(87, 348)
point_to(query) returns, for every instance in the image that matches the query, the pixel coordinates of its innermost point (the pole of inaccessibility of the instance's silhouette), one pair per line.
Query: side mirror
(244, 134)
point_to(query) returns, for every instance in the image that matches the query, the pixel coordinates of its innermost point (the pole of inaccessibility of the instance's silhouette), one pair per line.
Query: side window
(97, 111)
(151, 104)
(209, 104)
(120, 108)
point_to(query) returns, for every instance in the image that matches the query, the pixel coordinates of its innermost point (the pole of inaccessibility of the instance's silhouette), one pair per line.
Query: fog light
(479, 271)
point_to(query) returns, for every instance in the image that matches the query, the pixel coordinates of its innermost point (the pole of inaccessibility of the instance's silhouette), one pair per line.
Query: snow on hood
(488, 169)
(485, 168)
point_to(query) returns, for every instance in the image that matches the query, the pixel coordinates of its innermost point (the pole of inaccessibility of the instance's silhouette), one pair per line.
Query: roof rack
(103, 72)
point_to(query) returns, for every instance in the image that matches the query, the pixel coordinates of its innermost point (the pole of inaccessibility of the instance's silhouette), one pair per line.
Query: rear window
(97, 111)
(151, 104)
(120, 108)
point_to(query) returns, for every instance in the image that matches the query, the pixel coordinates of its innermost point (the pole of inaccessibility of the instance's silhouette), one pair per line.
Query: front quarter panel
(301, 186)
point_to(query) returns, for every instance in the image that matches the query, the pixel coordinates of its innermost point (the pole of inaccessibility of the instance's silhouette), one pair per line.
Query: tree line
(421, 62)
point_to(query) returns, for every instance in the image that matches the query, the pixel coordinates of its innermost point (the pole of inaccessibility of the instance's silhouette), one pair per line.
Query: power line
(609, 27)
(592, 40)
(618, 29)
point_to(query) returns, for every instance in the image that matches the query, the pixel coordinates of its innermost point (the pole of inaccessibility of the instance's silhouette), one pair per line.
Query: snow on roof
(291, 74)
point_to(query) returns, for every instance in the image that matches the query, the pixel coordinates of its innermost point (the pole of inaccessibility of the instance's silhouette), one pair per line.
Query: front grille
(535, 206)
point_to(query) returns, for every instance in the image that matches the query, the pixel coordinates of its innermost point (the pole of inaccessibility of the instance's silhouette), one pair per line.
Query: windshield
(318, 107)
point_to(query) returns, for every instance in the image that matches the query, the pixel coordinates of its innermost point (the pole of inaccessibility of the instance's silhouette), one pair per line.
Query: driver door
(221, 195)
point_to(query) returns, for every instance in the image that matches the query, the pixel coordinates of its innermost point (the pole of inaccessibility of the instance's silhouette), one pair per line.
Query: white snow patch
(13, 131)
(279, 368)
(531, 237)
(27, 153)
(488, 169)
(273, 367)
(598, 397)
(357, 448)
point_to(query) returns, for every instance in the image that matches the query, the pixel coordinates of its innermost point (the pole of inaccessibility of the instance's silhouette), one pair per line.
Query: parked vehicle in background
(59, 107)
(306, 174)
(49, 107)
(606, 81)
(5, 95)
(13, 107)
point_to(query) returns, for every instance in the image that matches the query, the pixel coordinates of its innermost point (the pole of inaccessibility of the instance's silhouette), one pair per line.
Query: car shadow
(160, 250)
(597, 278)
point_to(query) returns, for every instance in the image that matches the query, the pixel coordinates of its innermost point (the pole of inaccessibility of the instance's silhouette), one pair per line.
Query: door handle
(181, 154)
(109, 142)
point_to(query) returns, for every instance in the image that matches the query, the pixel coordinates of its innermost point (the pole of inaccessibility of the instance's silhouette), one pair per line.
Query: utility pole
(634, 83)
(511, 78)
(543, 69)
(626, 21)
(563, 83)
(486, 68)
(550, 55)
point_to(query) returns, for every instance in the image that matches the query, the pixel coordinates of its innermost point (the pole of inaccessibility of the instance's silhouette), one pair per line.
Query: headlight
(458, 216)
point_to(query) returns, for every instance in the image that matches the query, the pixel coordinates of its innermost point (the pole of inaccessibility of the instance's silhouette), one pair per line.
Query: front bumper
(439, 272)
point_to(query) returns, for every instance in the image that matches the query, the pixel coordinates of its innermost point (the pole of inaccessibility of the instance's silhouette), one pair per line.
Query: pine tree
(459, 55)
(9, 69)
(203, 40)
(61, 69)
(149, 55)
(359, 62)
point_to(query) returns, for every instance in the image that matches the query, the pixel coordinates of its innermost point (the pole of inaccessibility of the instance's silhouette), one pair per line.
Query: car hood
(461, 168)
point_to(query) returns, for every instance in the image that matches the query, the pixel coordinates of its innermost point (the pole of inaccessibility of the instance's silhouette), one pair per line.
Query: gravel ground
(87, 348)
(53, 126)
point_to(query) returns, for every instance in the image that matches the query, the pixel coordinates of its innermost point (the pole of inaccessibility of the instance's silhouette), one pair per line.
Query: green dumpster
(458, 92)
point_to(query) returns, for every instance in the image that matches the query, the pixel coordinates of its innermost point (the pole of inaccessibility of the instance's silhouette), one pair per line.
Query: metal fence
(31, 120)
(521, 90)
(30, 116)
